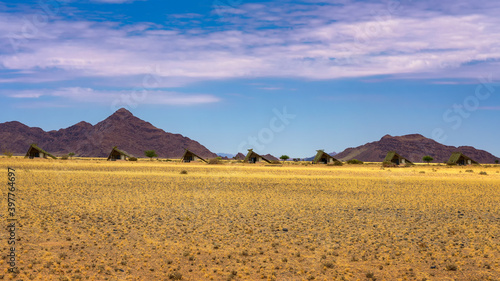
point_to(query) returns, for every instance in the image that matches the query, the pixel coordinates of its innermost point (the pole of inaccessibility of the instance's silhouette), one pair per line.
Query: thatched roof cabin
(253, 157)
(457, 158)
(191, 156)
(117, 154)
(323, 158)
(36, 152)
(396, 159)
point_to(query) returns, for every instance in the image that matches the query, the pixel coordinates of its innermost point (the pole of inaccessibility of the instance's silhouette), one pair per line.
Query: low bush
(388, 164)
(65, 157)
(355, 161)
(132, 159)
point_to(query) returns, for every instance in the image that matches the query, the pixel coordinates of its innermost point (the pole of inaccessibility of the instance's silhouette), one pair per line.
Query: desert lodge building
(117, 154)
(189, 156)
(396, 159)
(458, 158)
(323, 158)
(34, 151)
(253, 157)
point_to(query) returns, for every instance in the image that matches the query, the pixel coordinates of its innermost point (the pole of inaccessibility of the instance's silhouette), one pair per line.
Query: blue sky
(283, 77)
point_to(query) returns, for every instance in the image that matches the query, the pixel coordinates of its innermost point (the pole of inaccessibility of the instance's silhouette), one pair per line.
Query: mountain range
(133, 135)
(413, 147)
(121, 129)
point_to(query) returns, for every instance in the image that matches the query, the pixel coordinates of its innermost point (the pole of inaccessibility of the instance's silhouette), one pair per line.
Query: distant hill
(413, 147)
(227, 155)
(239, 156)
(121, 129)
(312, 157)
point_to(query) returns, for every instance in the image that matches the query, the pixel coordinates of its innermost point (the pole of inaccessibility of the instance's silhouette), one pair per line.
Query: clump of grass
(328, 264)
(370, 275)
(422, 172)
(483, 173)
(214, 161)
(469, 171)
(451, 267)
(175, 276)
(184, 172)
(355, 162)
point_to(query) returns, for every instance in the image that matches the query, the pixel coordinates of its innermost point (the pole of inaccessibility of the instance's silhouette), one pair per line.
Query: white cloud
(130, 98)
(424, 40)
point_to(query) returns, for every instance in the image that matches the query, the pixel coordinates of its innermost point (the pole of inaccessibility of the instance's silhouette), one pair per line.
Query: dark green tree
(284, 158)
(427, 159)
(150, 154)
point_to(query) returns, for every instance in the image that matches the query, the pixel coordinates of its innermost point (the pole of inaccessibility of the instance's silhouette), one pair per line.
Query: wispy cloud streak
(277, 39)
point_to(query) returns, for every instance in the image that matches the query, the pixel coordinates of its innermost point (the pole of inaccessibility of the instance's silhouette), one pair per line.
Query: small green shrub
(65, 157)
(355, 161)
(328, 264)
(183, 172)
(8, 153)
(175, 276)
(388, 164)
(132, 159)
(469, 171)
(336, 163)
(483, 173)
(451, 267)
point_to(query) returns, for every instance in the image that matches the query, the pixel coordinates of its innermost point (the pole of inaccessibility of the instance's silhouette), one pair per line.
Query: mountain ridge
(413, 147)
(120, 129)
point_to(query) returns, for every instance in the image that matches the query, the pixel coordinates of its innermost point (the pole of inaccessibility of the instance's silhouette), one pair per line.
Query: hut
(190, 156)
(117, 154)
(323, 158)
(36, 152)
(253, 157)
(396, 159)
(457, 158)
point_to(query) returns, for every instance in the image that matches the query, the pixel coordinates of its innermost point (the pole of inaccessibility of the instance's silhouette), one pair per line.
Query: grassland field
(154, 220)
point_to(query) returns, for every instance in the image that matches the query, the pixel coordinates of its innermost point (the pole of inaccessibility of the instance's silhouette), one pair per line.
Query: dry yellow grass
(98, 220)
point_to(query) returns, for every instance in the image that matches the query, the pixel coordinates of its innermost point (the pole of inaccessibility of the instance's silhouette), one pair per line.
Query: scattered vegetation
(148, 220)
(427, 159)
(214, 161)
(284, 158)
(8, 153)
(132, 159)
(150, 154)
(355, 161)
